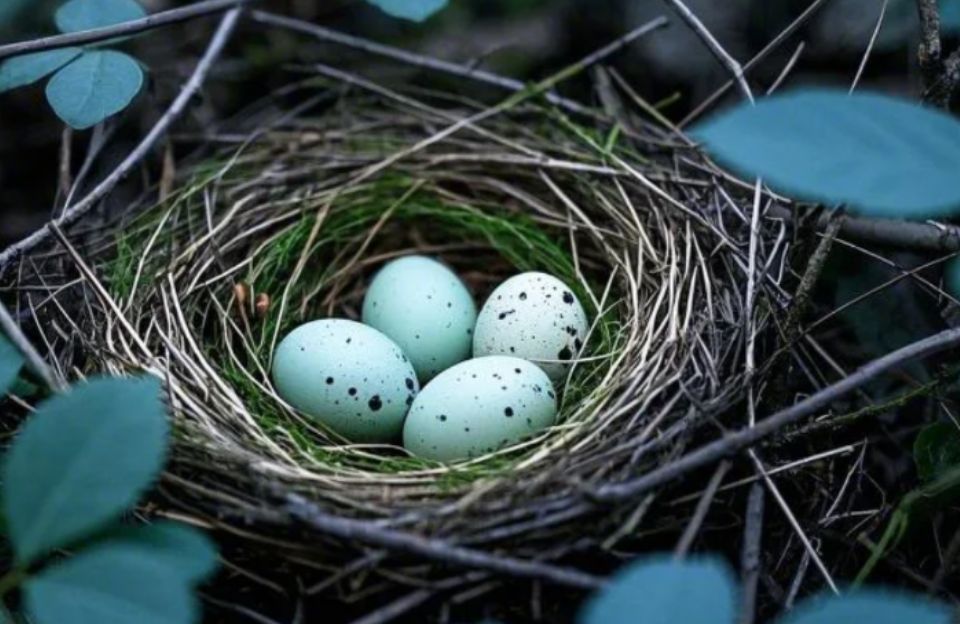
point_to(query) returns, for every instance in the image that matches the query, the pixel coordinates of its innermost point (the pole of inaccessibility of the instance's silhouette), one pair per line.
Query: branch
(940, 76)
(74, 212)
(718, 51)
(914, 235)
(438, 550)
(739, 440)
(454, 69)
(165, 18)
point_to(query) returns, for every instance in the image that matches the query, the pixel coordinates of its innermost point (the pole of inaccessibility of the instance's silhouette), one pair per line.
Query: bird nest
(288, 224)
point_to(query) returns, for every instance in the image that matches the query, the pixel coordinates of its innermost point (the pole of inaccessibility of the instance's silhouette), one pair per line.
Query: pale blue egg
(348, 376)
(536, 317)
(479, 406)
(425, 308)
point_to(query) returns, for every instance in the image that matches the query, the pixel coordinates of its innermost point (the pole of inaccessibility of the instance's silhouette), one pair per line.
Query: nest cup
(290, 223)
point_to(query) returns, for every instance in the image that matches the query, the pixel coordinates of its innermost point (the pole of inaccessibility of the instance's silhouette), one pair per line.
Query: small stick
(703, 506)
(750, 554)
(165, 18)
(35, 361)
(74, 212)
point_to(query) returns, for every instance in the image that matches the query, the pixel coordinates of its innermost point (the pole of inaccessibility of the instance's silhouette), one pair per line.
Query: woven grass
(288, 224)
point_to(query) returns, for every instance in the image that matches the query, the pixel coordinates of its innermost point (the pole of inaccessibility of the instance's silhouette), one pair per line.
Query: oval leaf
(81, 460)
(183, 548)
(90, 89)
(881, 156)
(10, 364)
(661, 590)
(20, 71)
(869, 606)
(87, 14)
(110, 584)
(415, 10)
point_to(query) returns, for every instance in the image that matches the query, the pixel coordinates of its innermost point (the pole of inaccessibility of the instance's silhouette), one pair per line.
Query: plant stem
(165, 18)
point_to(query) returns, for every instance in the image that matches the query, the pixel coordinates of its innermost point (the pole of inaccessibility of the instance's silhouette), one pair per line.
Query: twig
(438, 550)
(34, 360)
(794, 26)
(150, 22)
(718, 51)
(739, 440)
(426, 62)
(703, 506)
(74, 212)
(750, 553)
(873, 41)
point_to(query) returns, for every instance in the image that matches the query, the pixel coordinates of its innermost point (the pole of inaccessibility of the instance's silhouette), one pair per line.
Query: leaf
(10, 364)
(936, 450)
(882, 156)
(415, 10)
(183, 548)
(110, 584)
(78, 15)
(21, 71)
(81, 460)
(97, 85)
(661, 590)
(869, 606)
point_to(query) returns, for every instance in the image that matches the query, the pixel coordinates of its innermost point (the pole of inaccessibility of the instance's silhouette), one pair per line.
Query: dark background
(527, 39)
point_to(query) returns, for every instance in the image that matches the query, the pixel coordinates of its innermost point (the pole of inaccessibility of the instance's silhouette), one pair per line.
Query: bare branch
(940, 76)
(132, 27)
(744, 438)
(74, 212)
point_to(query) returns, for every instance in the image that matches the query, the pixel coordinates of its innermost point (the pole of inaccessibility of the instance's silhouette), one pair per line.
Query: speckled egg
(533, 316)
(425, 308)
(348, 376)
(479, 406)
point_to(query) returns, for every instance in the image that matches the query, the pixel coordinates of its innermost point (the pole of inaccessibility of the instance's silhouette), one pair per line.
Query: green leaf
(183, 548)
(87, 14)
(81, 460)
(110, 584)
(882, 156)
(99, 84)
(936, 450)
(870, 607)
(21, 71)
(662, 590)
(415, 10)
(10, 364)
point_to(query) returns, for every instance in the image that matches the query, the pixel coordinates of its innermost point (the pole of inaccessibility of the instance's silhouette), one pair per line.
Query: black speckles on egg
(409, 382)
(352, 391)
(442, 417)
(375, 403)
(329, 381)
(523, 296)
(505, 314)
(568, 298)
(508, 412)
(564, 354)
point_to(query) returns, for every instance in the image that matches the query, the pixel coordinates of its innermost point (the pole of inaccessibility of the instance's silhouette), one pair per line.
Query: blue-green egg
(479, 406)
(536, 317)
(425, 308)
(348, 376)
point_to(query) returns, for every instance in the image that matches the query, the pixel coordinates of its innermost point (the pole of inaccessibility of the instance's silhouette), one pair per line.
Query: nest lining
(305, 212)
